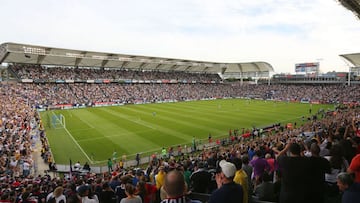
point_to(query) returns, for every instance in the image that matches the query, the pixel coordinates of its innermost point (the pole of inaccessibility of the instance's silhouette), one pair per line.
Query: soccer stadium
(91, 126)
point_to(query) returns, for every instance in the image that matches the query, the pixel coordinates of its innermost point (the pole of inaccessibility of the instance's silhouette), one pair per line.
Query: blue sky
(280, 32)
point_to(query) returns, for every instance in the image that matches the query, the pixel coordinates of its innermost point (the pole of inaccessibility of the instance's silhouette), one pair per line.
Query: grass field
(93, 134)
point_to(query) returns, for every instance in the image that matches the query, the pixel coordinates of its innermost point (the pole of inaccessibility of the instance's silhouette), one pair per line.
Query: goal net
(58, 121)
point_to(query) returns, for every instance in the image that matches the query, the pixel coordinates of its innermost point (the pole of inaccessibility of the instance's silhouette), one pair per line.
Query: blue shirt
(229, 193)
(352, 194)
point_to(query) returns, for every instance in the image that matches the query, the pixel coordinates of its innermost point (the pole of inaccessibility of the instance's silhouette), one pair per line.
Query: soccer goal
(58, 121)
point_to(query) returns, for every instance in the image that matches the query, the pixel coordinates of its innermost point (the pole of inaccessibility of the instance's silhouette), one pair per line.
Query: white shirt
(88, 200)
(58, 199)
(26, 166)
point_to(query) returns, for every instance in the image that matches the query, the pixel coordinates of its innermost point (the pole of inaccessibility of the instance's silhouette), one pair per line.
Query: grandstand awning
(352, 5)
(354, 59)
(33, 54)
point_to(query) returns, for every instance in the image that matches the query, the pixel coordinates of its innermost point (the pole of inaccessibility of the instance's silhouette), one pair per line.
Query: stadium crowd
(313, 162)
(88, 94)
(70, 73)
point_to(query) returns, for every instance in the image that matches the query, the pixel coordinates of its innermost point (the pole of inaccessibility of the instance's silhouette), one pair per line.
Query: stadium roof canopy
(352, 5)
(33, 54)
(354, 59)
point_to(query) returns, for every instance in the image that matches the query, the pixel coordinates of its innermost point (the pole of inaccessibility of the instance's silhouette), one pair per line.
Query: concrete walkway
(39, 166)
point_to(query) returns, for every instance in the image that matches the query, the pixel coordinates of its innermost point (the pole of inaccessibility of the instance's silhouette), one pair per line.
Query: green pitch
(93, 134)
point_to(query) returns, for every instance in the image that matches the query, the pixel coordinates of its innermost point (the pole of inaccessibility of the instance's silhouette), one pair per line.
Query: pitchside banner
(307, 67)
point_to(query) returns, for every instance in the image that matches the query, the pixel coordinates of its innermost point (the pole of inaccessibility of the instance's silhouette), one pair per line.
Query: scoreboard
(307, 67)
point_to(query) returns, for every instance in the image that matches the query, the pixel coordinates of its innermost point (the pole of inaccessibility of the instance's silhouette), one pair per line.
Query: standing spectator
(110, 165)
(319, 166)
(350, 189)
(260, 166)
(141, 190)
(26, 168)
(355, 167)
(84, 192)
(159, 181)
(27, 198)
(160, 177)
(137, 158)
(57, 195)
(163, 153)
(228, 191)
(338, 164)
(294, 169)
(249, 170)
(86, 167)
(241, 178)
(107, 195)
(120, 190)
(130, 193)
(271, 162)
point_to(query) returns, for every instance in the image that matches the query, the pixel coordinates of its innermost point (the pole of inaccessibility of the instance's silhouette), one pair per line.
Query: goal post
(58, 121)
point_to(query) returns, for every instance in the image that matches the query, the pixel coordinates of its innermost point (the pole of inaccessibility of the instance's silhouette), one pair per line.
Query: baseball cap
(227, 168)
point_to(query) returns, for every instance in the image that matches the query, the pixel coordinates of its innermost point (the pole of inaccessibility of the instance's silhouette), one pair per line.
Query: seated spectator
(228, 191)
(200, 179)
(175, 188)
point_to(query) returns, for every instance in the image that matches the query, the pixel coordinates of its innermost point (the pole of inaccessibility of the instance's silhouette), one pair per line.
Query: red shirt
(355, 167)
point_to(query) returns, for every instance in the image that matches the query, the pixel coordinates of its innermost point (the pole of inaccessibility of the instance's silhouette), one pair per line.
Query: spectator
(107, 195)
(294, 169)
(200, 179)
(265, 190)
(319, 166)
(241, 178)
(338, 164)
(260, 166)
(228, 191)
(176, 189)
(349, 188)
(249, 170)
(57, 195)
(355, 168)
(84, 192)
(130, 193)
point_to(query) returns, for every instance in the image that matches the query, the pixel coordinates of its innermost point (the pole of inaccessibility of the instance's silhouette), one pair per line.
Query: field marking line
(76, 143)
(87, 123)
(135, 120)
(185, 121)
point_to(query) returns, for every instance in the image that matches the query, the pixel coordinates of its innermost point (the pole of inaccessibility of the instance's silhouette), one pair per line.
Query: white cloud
(280, 32)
